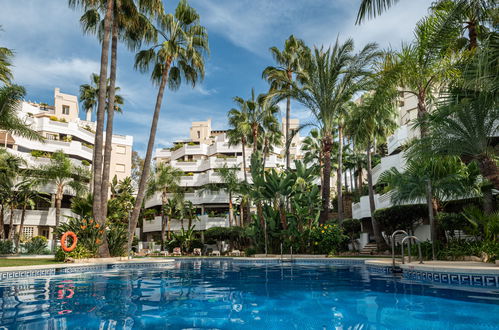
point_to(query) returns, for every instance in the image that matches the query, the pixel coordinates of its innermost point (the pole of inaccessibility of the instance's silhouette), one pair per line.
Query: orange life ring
(64, 238)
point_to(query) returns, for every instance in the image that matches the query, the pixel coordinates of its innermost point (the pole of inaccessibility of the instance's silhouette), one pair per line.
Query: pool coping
(454, 274)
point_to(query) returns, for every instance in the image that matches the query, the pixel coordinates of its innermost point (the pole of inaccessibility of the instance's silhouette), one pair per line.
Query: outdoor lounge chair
(215, 253)
(177, 251)
(197, 252)
(235, 253)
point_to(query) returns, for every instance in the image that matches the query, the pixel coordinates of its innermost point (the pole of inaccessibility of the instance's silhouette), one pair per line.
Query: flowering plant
(327, 238)
(89, 233)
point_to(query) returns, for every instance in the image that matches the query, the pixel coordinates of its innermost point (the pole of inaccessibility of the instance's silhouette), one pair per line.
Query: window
(121, 150)
(65, 109)
(120, 168)
(45, 233)
(28, 232)
(53, 137)
(199, 134)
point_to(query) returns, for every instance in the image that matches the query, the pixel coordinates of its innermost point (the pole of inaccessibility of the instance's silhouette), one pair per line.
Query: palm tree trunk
(340, 170)
(490, 171)
(231, 211)
(372, 206)
(58, 200)
(243, 143)
(99, 131)
(472, 35)
(288, 114)
(163, 223)
(255, 138)
(109, 123)
(11, 223)
(21, 226)
(352, 185)
(2, 223)
(147, 161)
(326, 191)
(104, 247)
(422, 112)
(246, 203)
(168, 219)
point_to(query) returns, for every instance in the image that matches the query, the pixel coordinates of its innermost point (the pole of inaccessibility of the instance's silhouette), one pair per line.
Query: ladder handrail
(399, 231)
(408, 249)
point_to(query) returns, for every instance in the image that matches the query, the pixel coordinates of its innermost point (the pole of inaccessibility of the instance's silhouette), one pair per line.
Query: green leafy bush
(6, 247)
(60, 255)
(401, 217)
(36, 245)
(85, 163)
(328, 238)
(117, 239)
(80, 252)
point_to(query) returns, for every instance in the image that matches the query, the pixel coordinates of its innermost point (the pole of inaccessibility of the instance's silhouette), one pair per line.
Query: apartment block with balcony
(199, 157)
(63, 130)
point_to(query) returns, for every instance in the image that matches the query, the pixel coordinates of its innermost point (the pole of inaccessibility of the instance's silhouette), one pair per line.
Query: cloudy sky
(51, 51)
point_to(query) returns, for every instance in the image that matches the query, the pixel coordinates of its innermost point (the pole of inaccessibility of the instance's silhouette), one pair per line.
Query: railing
(409, 249)
(393, 243)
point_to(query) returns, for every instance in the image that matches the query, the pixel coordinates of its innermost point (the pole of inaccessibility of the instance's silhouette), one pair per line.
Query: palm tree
(164, 179)
(108, 7)
(26, 198)
(229, 183)
(374, 119)
(189, 211)
(326, 84)
(446, 177)
(63, 174)
(240, 129)
(423, 69)
(130, 24)
(180, 55)
(288, 64)
(10, 105)
(6, 55)
(89, 93)
(10, 169)
(472, 14)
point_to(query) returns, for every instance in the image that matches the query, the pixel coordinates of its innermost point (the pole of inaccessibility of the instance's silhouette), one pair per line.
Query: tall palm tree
(165, 179)
(10, 104)
(63, 174)
(374, 119)
(180, 55)
(288, 64)
(131, 24)
(11, 169)
(97, 164)
(325, 85)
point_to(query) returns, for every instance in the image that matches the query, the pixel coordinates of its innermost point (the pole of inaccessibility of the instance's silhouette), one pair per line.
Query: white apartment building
(198, 157)
(63, 130)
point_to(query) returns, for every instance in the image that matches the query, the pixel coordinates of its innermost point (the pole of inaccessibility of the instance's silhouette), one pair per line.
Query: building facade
(199, 157)
(63, 130)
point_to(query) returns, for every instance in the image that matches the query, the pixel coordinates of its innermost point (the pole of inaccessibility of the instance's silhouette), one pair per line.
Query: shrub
(60, 255)
(36, 153)
(80, 252)
(117, 238)
(36, 245)
(453, 221)
(85, 162)
(400, 217)
(67, 138)
(327, 238)
(89, 233)
(251, 251)
(54, 118)
(6, 247)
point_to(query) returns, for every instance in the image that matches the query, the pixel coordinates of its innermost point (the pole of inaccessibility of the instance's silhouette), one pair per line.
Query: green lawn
(26, 262)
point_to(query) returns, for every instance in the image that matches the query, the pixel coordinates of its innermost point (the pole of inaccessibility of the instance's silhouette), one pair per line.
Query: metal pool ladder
(409, 250)
(400, 231)
(291, 255)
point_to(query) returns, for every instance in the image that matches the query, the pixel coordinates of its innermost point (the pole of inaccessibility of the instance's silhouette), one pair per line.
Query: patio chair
(197, 252)
(177, 251)
(235, 253)
(215, 253)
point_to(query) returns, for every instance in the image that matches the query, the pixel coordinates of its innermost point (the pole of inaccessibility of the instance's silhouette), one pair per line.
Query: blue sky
(51, 51)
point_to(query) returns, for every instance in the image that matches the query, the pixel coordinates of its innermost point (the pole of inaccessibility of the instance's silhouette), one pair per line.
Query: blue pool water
(230, 295)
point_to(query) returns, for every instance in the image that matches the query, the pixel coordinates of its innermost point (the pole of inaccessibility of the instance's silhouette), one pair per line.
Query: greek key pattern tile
(330, 261)
(140, 265)
(27, 273)
(379, 269)
(82, 269)
(454, 278)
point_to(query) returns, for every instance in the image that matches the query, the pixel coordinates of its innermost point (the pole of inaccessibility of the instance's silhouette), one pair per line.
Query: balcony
(362, 209)
(204, 222)
(402, 135)
(397, 160)
(39, 217)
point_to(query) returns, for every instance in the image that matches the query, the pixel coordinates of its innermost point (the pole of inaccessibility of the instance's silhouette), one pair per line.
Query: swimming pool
(224, 294)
